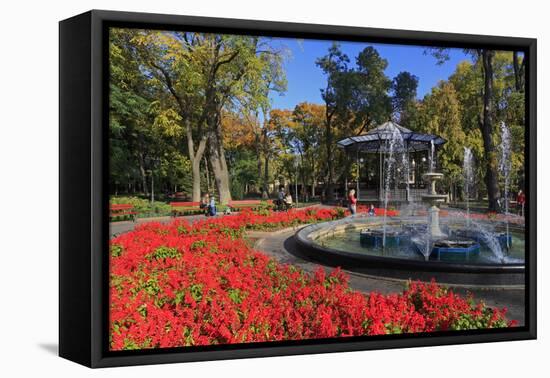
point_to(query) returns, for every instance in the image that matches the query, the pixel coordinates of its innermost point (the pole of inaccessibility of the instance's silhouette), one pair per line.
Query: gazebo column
(381, 175)
(358, 171)
(407, 173)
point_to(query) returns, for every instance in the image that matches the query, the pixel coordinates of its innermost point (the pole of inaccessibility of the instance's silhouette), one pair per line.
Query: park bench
(248, 204)
(184, 207)
(122, 210)
(178, 195)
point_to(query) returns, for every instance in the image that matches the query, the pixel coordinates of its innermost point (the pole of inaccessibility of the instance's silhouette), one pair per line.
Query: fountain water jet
(481, 232)
(468, 170)
(505, 167)
(396, 154)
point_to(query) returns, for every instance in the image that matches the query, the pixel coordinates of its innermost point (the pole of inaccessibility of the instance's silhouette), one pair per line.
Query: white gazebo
(372, 148)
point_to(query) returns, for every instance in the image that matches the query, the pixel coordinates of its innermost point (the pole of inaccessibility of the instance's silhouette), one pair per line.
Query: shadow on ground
(51, 348)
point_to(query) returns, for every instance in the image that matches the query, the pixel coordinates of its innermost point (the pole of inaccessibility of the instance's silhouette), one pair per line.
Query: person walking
(352, 202)
(521, 203)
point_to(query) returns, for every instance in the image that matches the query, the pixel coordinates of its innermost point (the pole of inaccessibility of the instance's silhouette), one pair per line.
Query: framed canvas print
(234, 188)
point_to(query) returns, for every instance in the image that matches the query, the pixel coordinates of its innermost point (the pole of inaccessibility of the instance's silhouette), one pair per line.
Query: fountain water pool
(419, 246)
(355, 244)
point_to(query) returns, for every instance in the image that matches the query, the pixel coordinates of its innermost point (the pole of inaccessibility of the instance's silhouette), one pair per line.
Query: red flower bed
(378, 211)
(187, 284)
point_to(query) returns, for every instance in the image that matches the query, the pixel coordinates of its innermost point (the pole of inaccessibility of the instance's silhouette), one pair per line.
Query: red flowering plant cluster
(378, 211)
(182, 284)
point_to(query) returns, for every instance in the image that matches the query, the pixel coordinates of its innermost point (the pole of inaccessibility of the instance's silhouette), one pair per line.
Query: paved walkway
(117, 228)
(280, 245)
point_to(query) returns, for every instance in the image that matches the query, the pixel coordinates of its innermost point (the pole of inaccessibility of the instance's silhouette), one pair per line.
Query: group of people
(352, 204)
(208, 205)
(208, 202)
(284, 200)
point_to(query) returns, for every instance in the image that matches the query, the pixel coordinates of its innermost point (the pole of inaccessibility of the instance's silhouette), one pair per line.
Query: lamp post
(150, 172)
(154, 161)
(296, 164)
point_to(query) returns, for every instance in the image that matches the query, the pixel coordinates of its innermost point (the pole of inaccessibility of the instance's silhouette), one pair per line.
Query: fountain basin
(505, 240)
(451, 249)
(313, 242)
(375, 238)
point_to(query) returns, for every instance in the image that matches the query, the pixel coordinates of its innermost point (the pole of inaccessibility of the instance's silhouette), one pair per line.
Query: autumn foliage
(183, 284)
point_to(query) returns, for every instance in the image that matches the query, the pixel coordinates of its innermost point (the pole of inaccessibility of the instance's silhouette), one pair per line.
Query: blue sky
(305, 79)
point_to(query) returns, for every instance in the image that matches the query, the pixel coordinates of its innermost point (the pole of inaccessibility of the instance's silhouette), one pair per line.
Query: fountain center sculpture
(433, 199)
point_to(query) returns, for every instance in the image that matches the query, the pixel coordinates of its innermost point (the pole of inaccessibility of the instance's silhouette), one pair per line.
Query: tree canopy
(193, 111)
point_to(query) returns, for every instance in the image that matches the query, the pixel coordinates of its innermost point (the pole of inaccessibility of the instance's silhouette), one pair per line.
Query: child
(371, 211)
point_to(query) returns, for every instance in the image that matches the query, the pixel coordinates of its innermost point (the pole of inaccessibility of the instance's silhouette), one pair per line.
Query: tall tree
(307, 134)
(404, 87)
(130, 132)
(486, 121)
(204, 74)
(335, 67)
(486, 126)
(370, 99)
(168, 59)
(439, 113)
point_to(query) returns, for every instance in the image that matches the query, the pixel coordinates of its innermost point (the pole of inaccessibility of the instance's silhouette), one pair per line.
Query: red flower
(184, 284)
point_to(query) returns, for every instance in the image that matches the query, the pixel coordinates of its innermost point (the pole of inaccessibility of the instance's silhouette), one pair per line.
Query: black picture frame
(83, 196)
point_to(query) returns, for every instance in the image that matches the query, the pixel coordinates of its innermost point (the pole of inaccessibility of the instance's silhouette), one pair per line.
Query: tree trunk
(196, 173)
(143, 174)
(195, 158)
(218, 162)
(491, 161)
(221, 173)
(259, 185)
(313, 179)
(265, 194)
(517, 72)
(207, 171)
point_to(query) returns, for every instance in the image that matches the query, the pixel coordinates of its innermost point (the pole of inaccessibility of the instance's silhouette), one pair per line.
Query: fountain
(436, 241)
(457, 248)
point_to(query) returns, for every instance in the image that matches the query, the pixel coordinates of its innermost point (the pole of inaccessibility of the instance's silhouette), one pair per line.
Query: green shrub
(143, 207)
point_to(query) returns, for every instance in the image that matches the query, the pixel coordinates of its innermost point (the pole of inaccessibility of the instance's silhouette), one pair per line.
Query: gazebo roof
(376, 139)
